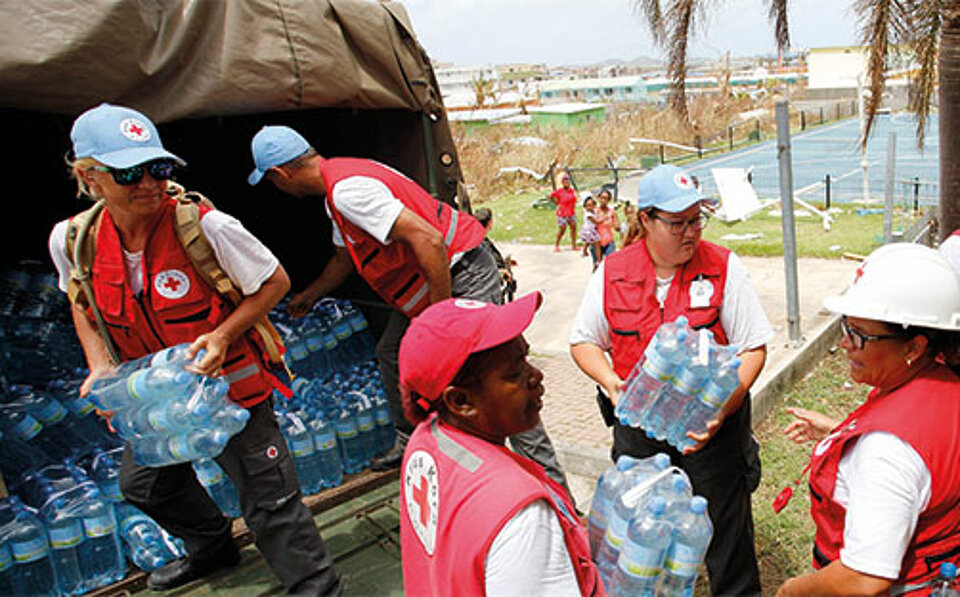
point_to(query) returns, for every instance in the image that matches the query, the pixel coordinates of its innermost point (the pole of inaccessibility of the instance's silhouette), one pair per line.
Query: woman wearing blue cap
(144, 294)
(668, 273)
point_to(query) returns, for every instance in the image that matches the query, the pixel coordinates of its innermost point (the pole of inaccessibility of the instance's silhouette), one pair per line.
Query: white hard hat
(904, 284)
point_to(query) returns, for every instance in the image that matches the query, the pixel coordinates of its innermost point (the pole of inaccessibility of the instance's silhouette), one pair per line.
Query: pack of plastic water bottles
(648, 533)
(681, 382)
(66, 532)
(331, 337)
(336, 424)
(168, 413)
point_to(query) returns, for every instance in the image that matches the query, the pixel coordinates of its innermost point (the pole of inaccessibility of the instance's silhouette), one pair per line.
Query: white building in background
(457, 83)
(835, 68)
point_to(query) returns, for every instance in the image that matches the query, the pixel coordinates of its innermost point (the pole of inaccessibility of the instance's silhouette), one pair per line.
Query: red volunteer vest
(630, 302)
(176, 305)
(458, 492)
(393, 270)
(925, 413)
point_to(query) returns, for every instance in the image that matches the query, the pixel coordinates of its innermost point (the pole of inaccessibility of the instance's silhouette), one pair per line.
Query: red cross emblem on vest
(421, 491)
(172, 284)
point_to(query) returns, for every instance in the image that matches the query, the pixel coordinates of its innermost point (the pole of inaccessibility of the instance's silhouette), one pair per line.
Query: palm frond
(875, 18)
(921, 34)
(777, 13)
(652, 11)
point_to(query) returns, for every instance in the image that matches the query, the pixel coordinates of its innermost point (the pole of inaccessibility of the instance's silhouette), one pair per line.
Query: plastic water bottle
(101, 554)
(945, 583)
(33, 567)
(221, 489)
(608, 487)
(366, 426)
(623, 511)
(724, 381)
(688, 383)
(386, 432)
(154, 376)
(364, 344)
(638, 567)
(163, 416)
(158, 450)
(7, 579)
(325, 441)
(688, 544)
(105, 470)
(676, 492)
(300, 443)
(662, 357)
(143, 539)
(65, 531)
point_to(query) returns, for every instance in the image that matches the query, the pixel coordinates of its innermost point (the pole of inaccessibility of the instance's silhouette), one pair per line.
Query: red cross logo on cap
(682, 181)
(135, 130)
(271, 452)
(859, 274)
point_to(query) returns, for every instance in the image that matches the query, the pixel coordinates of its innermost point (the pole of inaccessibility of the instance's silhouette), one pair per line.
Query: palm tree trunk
(949, 95)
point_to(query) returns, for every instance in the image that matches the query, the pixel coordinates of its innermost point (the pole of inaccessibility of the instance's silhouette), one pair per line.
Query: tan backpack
(81, 245)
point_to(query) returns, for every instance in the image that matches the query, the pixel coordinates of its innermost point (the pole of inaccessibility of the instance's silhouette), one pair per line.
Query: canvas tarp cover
(178, 59)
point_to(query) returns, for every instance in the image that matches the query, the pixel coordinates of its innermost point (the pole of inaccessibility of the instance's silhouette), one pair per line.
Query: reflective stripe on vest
(414, 301)
(455, 451)
(244, 373)
(452, 228)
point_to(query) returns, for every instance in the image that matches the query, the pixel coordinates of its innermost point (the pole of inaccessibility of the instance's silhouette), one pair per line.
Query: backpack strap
(81, 245)
(204, 259)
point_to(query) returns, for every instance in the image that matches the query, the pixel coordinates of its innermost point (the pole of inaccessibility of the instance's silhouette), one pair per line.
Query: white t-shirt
(529, 556)
(741, 313)
(368, 204)
(247, 261)
(884, 486)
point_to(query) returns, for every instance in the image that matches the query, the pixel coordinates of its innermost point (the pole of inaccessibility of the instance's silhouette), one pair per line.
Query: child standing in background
(588, 232)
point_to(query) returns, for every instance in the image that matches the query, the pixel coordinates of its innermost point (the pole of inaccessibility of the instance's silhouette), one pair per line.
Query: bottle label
(327, 441)
(99, 526)
(111, 490)
(209, 476)
(132, 381)
(65, 537)
(616, 531)
(383, 418)
(158, 420)
(28, 428)
(365, 423)
(658, 367)
(346, 432)
(711, 400)
(179, 448)
(302, 447)
(314, 343)
(52, 413)
(81, 406)
(29, 551)
(330, 342)
(640, 561)
(298, 351)
(342, 331)
(6, 560)
(683, 560)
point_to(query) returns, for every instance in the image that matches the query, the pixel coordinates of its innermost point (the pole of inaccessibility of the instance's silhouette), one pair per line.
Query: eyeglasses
(158, 169)
(678, 227)
(858, 338)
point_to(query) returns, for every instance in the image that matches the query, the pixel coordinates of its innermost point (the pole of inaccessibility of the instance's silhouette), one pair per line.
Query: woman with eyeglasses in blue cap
(671, 272)
(149, 296)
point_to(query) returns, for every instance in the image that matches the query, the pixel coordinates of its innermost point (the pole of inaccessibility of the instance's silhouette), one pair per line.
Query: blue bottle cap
(698, 505)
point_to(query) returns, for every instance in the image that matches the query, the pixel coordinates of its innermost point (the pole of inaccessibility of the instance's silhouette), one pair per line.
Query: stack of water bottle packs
(66, 530)
(648, 533)
(680, 384)
(35, 323)
(168, 413)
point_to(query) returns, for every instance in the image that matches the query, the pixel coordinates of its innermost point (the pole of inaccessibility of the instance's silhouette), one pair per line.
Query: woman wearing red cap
(475, 518)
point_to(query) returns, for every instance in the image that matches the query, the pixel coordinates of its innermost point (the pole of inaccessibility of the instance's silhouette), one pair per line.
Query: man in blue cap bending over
(412, 249)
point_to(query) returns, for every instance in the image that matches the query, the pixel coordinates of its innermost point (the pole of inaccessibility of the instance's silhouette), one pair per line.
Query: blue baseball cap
(274, 146)
(117, 137)
(669, 189)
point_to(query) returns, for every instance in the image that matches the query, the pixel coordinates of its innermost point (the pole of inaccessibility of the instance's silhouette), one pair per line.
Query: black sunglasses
(158, 169)
(678, 227)
(858, 338)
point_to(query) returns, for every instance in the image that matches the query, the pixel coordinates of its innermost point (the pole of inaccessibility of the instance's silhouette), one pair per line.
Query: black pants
(257, 461)
(726, 471)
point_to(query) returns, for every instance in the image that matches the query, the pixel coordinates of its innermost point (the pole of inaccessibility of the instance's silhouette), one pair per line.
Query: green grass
(515, 220)
(784, 541)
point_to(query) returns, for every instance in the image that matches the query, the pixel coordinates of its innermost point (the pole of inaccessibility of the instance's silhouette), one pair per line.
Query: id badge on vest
(701, 290)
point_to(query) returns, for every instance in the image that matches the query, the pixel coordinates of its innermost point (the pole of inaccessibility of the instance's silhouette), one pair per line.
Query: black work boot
(184, 570)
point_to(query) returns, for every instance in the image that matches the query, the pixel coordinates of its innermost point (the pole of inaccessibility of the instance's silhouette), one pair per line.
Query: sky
(572, 32)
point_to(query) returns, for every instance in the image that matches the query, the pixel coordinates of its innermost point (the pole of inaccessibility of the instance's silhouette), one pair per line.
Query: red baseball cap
(440, 339)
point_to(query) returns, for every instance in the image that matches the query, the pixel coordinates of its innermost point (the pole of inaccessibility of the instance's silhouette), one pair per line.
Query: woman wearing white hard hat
(670, 272)
(885, 481)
